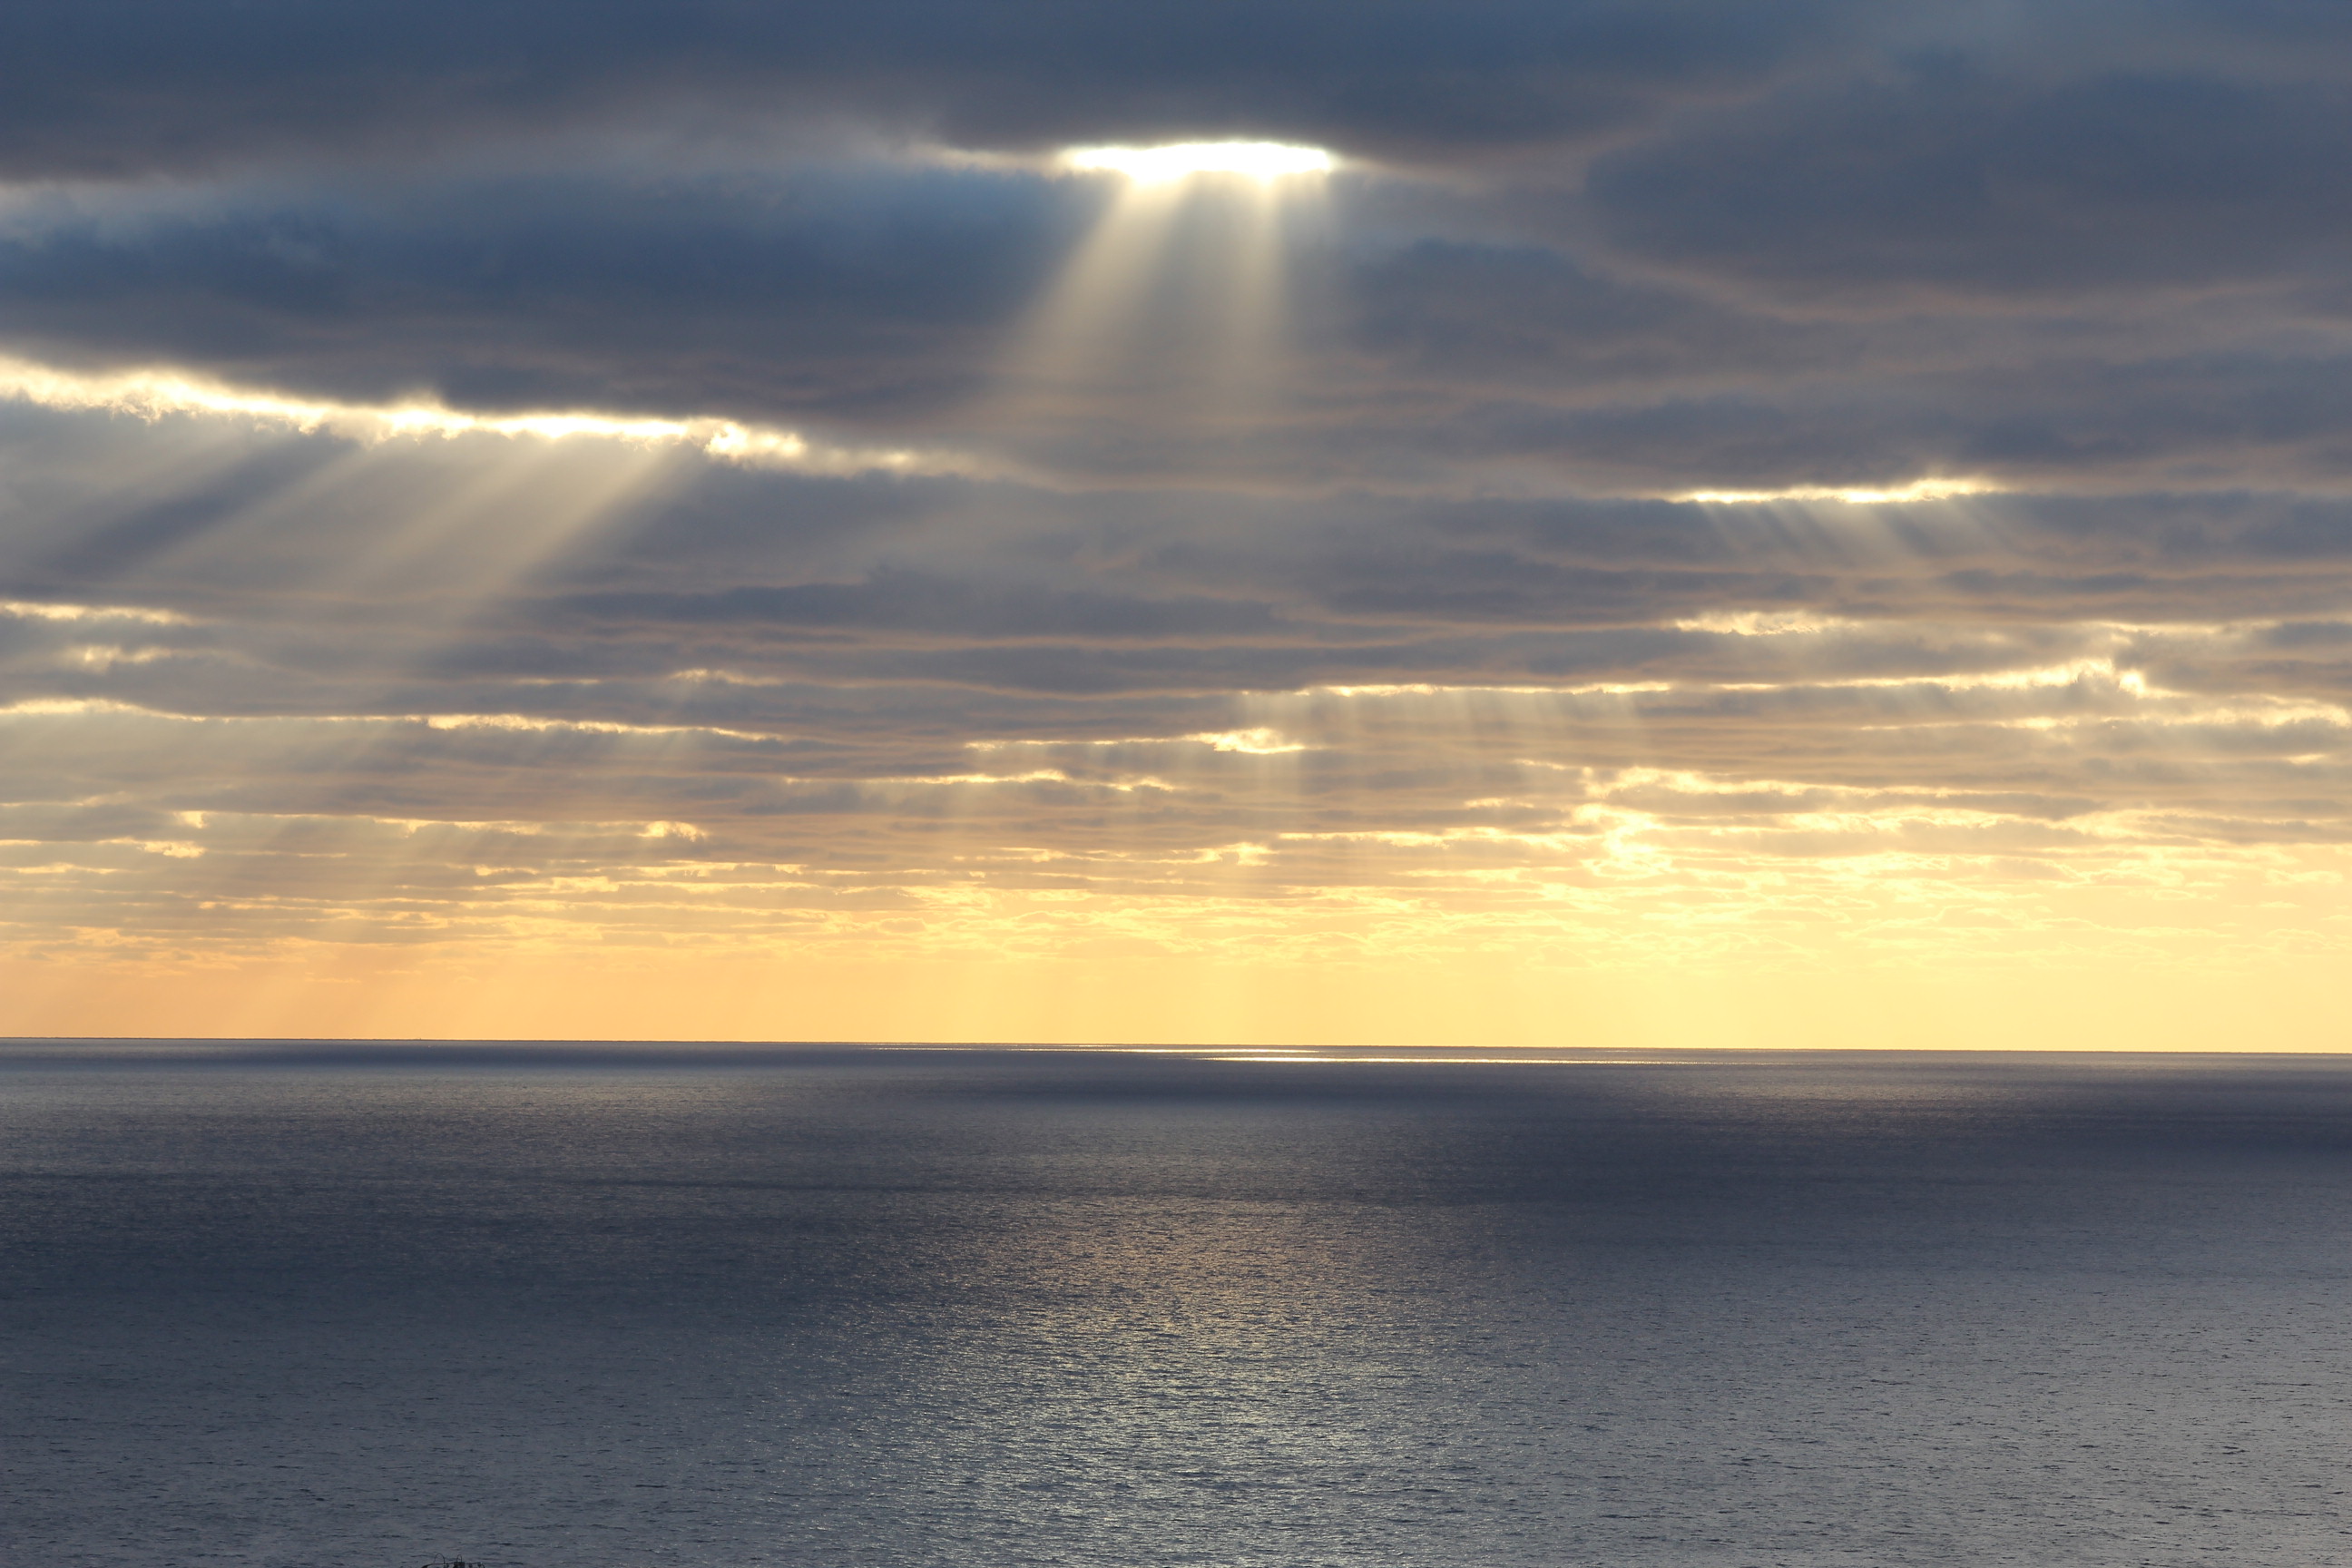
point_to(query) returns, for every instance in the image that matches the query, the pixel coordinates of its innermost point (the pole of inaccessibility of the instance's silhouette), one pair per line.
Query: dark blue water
(360, 1307)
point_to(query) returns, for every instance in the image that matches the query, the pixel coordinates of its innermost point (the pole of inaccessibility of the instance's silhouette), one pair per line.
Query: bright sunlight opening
(1257, 160)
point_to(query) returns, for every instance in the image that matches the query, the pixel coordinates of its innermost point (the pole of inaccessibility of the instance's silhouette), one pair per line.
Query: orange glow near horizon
(1263, 1011)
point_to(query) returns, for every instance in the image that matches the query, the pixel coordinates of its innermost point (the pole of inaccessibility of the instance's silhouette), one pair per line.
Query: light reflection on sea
(565, 1306)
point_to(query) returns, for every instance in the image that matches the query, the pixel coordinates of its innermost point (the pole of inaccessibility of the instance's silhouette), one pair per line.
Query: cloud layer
(970, 558)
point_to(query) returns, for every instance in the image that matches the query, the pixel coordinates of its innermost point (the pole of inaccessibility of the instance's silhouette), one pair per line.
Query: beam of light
(154, 393)
(1172, 317)
(1251, 160)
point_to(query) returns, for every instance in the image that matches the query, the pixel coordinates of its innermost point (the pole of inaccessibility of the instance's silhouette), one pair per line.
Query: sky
(1667, 524)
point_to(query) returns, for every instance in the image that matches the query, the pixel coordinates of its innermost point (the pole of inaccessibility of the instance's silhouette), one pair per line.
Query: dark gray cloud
(1955, 179)
(852, 291)
(133, 85)
(887, 303)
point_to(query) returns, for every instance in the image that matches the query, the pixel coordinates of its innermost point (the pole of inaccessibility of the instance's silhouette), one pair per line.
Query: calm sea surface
(365, 1308)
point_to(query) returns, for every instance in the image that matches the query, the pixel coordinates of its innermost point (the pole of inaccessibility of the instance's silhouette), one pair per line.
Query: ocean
(318, 1306)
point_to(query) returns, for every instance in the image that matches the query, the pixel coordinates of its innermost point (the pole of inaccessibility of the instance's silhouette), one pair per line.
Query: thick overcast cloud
(124, 89)
(1446, 556)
